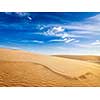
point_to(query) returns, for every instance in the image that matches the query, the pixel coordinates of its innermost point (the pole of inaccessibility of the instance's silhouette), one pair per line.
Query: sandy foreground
(20, 68)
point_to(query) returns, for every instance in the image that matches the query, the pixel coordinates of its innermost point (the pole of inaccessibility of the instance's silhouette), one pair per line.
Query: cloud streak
(65, 40)
(97, 42)
(32, 41)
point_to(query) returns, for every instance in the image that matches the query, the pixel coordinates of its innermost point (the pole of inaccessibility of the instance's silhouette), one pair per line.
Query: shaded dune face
(20, 68)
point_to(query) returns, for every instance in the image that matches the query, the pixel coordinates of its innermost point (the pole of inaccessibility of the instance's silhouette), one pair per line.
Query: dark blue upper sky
(51, 32)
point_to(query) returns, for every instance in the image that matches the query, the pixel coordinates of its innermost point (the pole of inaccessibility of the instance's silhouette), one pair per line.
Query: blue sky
(51, 32)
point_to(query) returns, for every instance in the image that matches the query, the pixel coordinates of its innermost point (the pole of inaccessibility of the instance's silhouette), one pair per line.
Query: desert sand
(89, 58)
(21, 68)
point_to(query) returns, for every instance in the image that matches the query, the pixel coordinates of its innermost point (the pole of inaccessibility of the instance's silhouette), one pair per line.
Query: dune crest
(43, 70)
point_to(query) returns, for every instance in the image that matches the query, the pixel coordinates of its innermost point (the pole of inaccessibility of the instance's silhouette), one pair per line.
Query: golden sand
(20, 68)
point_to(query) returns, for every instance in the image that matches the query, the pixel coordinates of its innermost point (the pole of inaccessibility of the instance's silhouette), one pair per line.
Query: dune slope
(90, 58)
(20, 68)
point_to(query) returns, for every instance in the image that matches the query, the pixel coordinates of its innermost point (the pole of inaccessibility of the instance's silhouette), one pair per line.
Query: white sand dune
(20, 68)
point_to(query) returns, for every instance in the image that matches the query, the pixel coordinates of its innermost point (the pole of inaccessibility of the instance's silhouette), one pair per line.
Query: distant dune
(90, 58)
(20, 68)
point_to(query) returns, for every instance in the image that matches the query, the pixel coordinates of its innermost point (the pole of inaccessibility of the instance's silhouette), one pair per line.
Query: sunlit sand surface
(20, 68)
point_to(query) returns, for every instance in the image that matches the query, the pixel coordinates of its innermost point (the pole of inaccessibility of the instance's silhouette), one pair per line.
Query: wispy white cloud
(65, 40)
(97, 42)
(37, 41)
(34, 41)
(77, 41)
(70, 35)
(56, 40)
(95, 18)
(30, 18)
(89, 26)
(68, 41)
(20, 14)
(82, 32)
(54, 31)
(92, 29)
(58, 29)
(84, 29)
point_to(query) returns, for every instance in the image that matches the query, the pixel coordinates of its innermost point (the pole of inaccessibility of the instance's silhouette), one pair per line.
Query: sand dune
(20, 68)
(90, 58)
